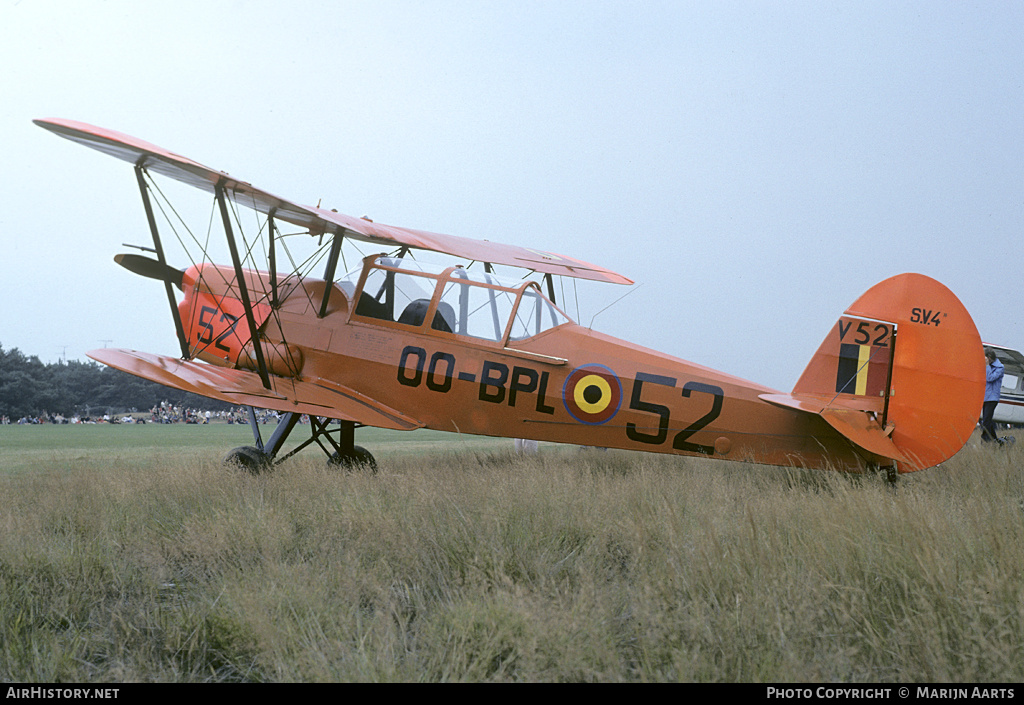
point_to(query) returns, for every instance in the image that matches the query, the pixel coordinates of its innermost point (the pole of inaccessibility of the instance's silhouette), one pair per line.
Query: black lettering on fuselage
(542, 393)
(446, 380)
(414, 379)
(497, 381)
(517, 384)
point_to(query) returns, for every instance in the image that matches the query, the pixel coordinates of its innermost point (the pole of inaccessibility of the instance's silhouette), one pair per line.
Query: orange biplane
(400, 343)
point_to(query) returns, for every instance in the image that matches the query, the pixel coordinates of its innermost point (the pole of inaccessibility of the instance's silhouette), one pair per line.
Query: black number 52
(680, 442)
(205, 336)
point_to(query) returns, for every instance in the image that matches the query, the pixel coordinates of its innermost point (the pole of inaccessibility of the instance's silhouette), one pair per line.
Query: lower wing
(318, 397)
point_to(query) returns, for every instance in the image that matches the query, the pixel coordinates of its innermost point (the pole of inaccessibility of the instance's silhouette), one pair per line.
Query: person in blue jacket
(994, 381)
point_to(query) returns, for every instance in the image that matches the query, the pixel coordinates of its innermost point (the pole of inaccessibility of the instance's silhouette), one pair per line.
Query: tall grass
(577, 566)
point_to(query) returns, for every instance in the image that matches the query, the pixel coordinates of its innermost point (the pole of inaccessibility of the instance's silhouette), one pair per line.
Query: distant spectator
(994, 382)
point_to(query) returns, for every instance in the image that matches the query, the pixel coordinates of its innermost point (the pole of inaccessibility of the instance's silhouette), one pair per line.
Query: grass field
(131, 554)
(31, 447)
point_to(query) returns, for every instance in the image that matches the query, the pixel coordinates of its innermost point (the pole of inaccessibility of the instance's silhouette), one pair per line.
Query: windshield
(483, 306)
(474, 304)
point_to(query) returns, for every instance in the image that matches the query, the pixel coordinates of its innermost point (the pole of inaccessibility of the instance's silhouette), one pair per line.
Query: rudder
(909, 336)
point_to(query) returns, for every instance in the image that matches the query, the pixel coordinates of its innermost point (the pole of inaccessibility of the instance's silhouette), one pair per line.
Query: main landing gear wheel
(356, 459)
(250, 459)
(342, 452)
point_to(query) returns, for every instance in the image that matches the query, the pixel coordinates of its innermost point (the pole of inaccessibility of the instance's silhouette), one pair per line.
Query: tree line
(30, 388)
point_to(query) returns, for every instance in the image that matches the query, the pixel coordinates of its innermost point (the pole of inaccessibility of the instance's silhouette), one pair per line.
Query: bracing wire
(631, 290)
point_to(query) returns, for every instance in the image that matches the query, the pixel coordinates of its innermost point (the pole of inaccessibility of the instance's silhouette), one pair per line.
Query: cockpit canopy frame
(473, 304)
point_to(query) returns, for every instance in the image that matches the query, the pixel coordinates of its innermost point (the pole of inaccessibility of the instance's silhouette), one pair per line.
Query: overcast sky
(755, 166)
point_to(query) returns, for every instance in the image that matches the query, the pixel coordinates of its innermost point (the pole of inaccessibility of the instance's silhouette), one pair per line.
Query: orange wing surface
(318, 220)
(315, 397)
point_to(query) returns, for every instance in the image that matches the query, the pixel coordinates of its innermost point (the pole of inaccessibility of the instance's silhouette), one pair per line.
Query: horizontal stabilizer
(857, 425)
(316, 397)
(862, 429)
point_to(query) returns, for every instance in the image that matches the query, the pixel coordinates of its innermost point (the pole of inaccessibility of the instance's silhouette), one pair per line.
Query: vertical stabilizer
(908, 354)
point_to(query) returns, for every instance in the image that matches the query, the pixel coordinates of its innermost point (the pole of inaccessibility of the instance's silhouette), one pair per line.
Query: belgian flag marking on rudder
(862, 369)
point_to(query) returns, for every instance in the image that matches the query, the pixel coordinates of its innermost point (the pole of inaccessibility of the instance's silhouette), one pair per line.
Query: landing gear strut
(341, 452)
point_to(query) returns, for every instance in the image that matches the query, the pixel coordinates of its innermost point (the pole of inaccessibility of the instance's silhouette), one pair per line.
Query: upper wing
(318, 220)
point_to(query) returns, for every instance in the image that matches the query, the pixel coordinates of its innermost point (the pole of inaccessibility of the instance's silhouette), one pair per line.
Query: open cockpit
(454, 300)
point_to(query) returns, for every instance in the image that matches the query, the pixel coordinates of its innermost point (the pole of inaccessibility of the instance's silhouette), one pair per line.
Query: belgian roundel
(592, 394)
